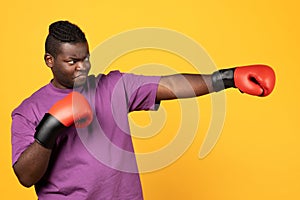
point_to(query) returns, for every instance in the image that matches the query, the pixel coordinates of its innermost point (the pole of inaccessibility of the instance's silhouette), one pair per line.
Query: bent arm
(183, 86)
(32, 164)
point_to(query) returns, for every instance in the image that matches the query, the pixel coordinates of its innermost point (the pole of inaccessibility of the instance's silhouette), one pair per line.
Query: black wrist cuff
(48, 130)
(223, 79)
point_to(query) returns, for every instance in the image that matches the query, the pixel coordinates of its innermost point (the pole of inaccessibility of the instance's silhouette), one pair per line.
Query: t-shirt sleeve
(141, 91)
(22, 135)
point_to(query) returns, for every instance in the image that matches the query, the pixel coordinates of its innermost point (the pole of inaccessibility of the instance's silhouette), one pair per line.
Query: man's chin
(79, 82)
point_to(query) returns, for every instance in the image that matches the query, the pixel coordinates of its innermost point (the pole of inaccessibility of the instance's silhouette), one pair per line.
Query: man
(48, 150)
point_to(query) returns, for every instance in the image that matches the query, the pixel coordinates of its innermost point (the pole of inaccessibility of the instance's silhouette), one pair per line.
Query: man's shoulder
(38, 96)
(102, 78)
(110, 75)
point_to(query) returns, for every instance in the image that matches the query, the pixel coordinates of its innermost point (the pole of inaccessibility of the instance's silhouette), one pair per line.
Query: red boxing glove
(74, 108)
(258, 80)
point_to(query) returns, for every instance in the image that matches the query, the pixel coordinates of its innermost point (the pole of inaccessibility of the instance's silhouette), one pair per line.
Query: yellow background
(257, 156)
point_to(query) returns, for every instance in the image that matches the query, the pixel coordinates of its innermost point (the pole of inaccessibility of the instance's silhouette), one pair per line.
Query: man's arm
(258, 80)
(183, 86)
(33, 162)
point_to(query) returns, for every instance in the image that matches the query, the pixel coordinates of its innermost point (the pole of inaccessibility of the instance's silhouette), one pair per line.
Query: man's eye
(87, 58)
(71, 62)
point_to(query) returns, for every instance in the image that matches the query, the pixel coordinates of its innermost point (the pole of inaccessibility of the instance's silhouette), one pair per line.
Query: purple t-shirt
(95, 162)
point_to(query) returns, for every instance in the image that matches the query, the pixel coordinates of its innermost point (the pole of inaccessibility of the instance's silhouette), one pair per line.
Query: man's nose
(82, 66)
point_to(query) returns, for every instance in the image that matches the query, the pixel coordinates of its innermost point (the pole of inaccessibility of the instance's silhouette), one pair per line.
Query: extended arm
(183, 86)
(258, 80)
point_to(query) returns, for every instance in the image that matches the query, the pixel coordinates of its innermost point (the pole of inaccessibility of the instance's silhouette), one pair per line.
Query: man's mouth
(80, 75)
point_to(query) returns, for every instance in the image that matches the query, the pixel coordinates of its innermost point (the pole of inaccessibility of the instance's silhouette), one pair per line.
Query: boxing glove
(258, 80)
(72, 109)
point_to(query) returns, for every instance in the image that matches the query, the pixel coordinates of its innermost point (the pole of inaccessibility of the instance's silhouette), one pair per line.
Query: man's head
(62, 32)
(67, 54)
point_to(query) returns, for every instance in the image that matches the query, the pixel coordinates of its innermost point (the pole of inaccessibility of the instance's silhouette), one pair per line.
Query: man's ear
(49, 60)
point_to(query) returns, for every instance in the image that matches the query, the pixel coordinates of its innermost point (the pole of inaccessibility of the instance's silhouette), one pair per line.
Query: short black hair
(62, 32)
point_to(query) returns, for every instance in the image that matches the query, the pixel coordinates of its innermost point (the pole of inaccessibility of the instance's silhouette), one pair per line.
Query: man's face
(71, 66)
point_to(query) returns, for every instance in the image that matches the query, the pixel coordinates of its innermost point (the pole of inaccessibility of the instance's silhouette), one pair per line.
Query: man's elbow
(25, 182)
(24, 179)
